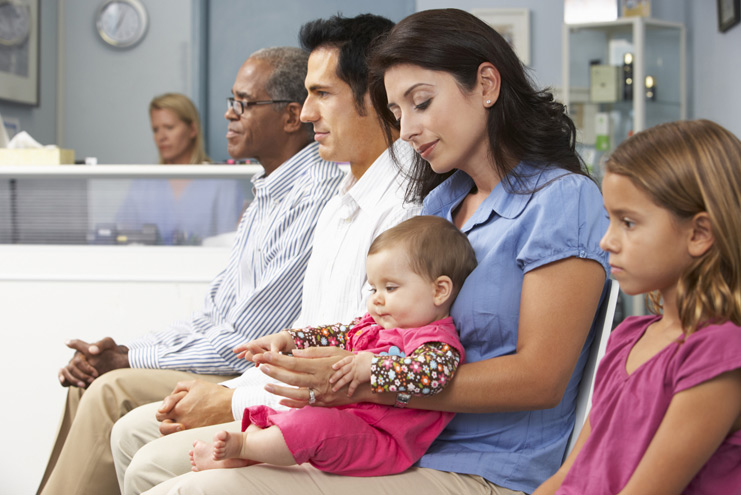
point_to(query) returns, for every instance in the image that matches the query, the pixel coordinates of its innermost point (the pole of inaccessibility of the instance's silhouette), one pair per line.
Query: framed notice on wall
(19, 51)
(513, 25)
(728, 14)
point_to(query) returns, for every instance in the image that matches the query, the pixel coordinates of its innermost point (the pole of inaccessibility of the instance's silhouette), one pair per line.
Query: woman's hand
(307, 369)
(277, 342)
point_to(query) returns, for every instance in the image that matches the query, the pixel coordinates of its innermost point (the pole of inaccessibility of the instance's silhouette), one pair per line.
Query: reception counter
(65, 283)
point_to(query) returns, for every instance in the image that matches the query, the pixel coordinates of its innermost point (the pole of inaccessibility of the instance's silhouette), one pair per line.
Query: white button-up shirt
(335, 277)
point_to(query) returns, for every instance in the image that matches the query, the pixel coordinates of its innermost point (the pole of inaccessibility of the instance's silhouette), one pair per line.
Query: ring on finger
(312, 396)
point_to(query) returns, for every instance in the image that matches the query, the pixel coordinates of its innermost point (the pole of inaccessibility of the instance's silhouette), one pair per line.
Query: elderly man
(371, 200)
(258, 291)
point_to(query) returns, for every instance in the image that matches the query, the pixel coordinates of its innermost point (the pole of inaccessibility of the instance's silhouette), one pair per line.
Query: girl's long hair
(690, 167)
(523, 125)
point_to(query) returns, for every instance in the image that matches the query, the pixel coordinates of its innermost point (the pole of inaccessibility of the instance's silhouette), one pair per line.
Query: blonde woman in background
(177, 130)
(185, 211)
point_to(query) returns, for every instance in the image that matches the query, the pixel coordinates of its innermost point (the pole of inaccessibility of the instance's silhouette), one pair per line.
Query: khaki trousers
(157, 458)
(81, 461)
(305, 480)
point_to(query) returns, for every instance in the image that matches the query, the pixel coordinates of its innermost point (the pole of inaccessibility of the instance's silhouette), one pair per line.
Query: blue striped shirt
(259, 291)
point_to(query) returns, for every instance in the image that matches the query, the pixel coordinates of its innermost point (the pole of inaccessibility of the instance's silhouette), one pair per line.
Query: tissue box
(36, 156)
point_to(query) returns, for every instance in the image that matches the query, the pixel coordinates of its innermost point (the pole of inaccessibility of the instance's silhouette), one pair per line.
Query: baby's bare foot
(227, 445)
(202, 458)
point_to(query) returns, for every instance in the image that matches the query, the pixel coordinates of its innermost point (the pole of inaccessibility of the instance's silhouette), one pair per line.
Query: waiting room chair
(604, 319)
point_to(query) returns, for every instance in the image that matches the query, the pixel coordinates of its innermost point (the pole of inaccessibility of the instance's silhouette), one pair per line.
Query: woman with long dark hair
(495, 157)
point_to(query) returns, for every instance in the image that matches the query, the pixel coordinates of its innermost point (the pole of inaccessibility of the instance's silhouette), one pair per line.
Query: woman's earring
(488, 102)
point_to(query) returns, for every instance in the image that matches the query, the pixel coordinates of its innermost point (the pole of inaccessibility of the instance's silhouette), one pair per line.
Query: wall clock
(121, 23)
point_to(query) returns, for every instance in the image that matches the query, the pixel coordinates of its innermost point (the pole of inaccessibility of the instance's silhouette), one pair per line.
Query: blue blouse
(207, 207)
(513, 233)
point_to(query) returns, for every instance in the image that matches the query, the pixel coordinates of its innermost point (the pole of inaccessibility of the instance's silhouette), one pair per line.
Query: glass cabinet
(621, 77)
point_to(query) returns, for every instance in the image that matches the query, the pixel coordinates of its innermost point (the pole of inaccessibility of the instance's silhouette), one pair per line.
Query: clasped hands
(326, 370)
(92, 360)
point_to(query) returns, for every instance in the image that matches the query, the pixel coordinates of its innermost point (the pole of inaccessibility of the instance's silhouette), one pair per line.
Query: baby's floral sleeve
(424, 372)
(335, 335)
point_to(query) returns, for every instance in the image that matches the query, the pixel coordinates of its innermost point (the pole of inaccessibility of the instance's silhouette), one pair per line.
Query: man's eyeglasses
(240, 106)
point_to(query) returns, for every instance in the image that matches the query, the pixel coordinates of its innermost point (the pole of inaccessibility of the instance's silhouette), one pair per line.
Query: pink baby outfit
(628, 409)
(364, 439)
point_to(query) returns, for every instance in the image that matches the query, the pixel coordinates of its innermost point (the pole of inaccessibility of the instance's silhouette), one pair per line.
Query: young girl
(415, 271)
(667, 399)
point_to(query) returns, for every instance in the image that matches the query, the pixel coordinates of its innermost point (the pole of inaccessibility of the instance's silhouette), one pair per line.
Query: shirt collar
(282, 179)
(383, 174)
(504, 200)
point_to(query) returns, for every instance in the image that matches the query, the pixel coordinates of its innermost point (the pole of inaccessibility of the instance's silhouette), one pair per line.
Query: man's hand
(92, 360)
(193, 404)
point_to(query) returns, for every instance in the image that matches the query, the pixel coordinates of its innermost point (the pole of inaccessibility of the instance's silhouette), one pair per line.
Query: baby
(406, 344)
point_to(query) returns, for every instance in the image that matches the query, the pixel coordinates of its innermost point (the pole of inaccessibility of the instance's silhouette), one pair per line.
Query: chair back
(603, 321)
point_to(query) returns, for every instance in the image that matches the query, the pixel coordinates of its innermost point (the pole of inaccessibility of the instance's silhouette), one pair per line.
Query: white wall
(53, 293)
(715, 71)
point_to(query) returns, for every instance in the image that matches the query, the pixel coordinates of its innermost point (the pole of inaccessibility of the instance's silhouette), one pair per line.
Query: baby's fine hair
(434, 246)
(690, 167)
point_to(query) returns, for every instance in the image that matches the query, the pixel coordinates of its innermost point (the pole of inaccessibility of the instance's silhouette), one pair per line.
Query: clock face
(121, 23)
(15, 23)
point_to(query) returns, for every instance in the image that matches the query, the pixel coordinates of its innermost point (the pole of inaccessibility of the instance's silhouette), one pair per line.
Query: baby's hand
(277, 342)
(353, 370)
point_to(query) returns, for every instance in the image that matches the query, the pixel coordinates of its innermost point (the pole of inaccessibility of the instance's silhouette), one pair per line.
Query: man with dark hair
(352, 38)
(258, 291)
(371, 200)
